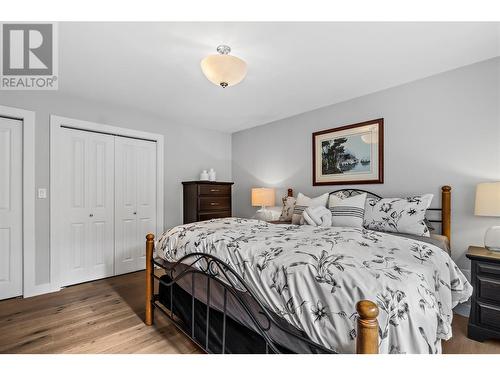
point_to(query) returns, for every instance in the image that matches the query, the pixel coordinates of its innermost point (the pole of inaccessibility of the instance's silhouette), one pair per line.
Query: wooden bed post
(150, 237)
(367, 331)
(446, 206)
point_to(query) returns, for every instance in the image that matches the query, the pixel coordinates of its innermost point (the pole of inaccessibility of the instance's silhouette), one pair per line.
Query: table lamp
(263, 197)
(488, 204)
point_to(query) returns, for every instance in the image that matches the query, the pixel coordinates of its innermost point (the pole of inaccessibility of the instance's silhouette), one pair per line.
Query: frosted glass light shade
(224, 70)
(263, 197)
(487, 199)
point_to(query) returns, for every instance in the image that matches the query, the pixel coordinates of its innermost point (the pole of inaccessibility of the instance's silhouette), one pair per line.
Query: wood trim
(150, 237)
(446, 211)
(367, 328)
(380, 179)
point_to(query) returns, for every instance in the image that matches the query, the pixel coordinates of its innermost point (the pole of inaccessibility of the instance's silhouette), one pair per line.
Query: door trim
(28, 200)
(56, 123)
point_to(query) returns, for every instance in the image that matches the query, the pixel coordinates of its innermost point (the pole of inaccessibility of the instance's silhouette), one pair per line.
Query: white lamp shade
(263, 197)
(487, 199)
(224, 69)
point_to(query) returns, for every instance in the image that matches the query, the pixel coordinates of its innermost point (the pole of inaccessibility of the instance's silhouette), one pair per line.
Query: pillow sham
(287, 210)
(303, 202)
(347, 212)
(399, 215)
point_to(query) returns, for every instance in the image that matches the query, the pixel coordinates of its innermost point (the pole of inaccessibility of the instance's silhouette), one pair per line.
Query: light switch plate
(42, 193)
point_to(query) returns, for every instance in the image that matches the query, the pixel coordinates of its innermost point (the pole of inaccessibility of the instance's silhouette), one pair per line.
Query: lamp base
(492, 238)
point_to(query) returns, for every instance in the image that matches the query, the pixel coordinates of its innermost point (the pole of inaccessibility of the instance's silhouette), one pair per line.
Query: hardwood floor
(460, 344)
(106, 316)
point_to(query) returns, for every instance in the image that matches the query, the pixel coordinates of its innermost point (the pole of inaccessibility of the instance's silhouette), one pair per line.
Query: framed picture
(351, 154)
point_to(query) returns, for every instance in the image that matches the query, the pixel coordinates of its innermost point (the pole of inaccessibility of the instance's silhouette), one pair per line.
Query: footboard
(216, 271)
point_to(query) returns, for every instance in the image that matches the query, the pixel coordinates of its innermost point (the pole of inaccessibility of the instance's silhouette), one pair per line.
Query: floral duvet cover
(313, 277)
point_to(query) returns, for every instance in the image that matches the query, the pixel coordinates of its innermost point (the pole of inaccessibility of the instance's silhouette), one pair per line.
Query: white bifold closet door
(85, 192)
(135, 201)
(11, 225)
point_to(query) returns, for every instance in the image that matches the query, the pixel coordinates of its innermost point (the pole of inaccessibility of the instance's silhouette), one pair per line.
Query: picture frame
(350, 154)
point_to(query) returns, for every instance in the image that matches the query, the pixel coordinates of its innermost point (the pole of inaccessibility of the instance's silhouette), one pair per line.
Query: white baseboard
(40, 289)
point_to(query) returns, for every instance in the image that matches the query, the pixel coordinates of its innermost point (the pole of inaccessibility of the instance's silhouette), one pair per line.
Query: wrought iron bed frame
(220, 272)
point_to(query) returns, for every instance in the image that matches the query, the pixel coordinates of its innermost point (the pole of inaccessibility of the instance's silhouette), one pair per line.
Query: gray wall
(187, 152)
(440, 130)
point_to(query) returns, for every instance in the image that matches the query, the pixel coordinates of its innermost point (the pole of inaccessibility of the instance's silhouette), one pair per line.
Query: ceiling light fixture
(223, 69)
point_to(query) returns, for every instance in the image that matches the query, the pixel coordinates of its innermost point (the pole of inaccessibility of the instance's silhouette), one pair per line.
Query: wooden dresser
(204, 200)
(484, 320)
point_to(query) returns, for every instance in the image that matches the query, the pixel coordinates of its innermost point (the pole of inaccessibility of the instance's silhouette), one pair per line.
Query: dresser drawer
(214, 215)
(214, 189)
(215, 203)
(204, 200)
(488, 288)
(492, 269)
(489, 315)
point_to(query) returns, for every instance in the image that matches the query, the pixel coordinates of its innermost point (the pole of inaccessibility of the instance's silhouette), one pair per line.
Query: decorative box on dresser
(205, 200)
(484, 320)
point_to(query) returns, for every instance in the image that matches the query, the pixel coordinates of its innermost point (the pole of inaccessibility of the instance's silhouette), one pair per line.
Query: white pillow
(400, 215)
(303, 202)
(347, 212)
(269, 214)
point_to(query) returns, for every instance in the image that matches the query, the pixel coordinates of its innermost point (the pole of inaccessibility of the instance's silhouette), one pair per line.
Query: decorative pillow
(287, 210)
(347, 212)
(268, 214)
(400, 215)
(304, 201)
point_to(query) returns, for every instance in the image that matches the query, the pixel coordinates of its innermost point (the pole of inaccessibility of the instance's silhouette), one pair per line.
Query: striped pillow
(347, 212)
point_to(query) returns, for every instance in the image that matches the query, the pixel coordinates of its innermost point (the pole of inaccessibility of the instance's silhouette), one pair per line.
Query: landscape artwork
(349, 154)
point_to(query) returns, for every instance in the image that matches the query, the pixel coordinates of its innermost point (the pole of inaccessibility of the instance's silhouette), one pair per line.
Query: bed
(246, 286)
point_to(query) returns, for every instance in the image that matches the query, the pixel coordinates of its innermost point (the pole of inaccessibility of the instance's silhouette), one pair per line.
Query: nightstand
(484, 320)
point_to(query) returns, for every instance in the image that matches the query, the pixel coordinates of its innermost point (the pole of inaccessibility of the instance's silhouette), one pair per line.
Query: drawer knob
(214, 204)
(214, 190)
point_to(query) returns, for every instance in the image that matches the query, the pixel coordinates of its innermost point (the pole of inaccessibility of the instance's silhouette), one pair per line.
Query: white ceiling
(292, 67)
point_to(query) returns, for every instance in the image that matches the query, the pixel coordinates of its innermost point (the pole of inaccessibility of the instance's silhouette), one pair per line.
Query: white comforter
(313, 277)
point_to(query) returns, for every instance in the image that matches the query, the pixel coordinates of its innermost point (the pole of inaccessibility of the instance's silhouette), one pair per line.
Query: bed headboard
(445, 209)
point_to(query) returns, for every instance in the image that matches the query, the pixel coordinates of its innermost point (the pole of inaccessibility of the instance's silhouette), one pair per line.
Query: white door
(135, 201)
(11, 226)
(84, 189)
